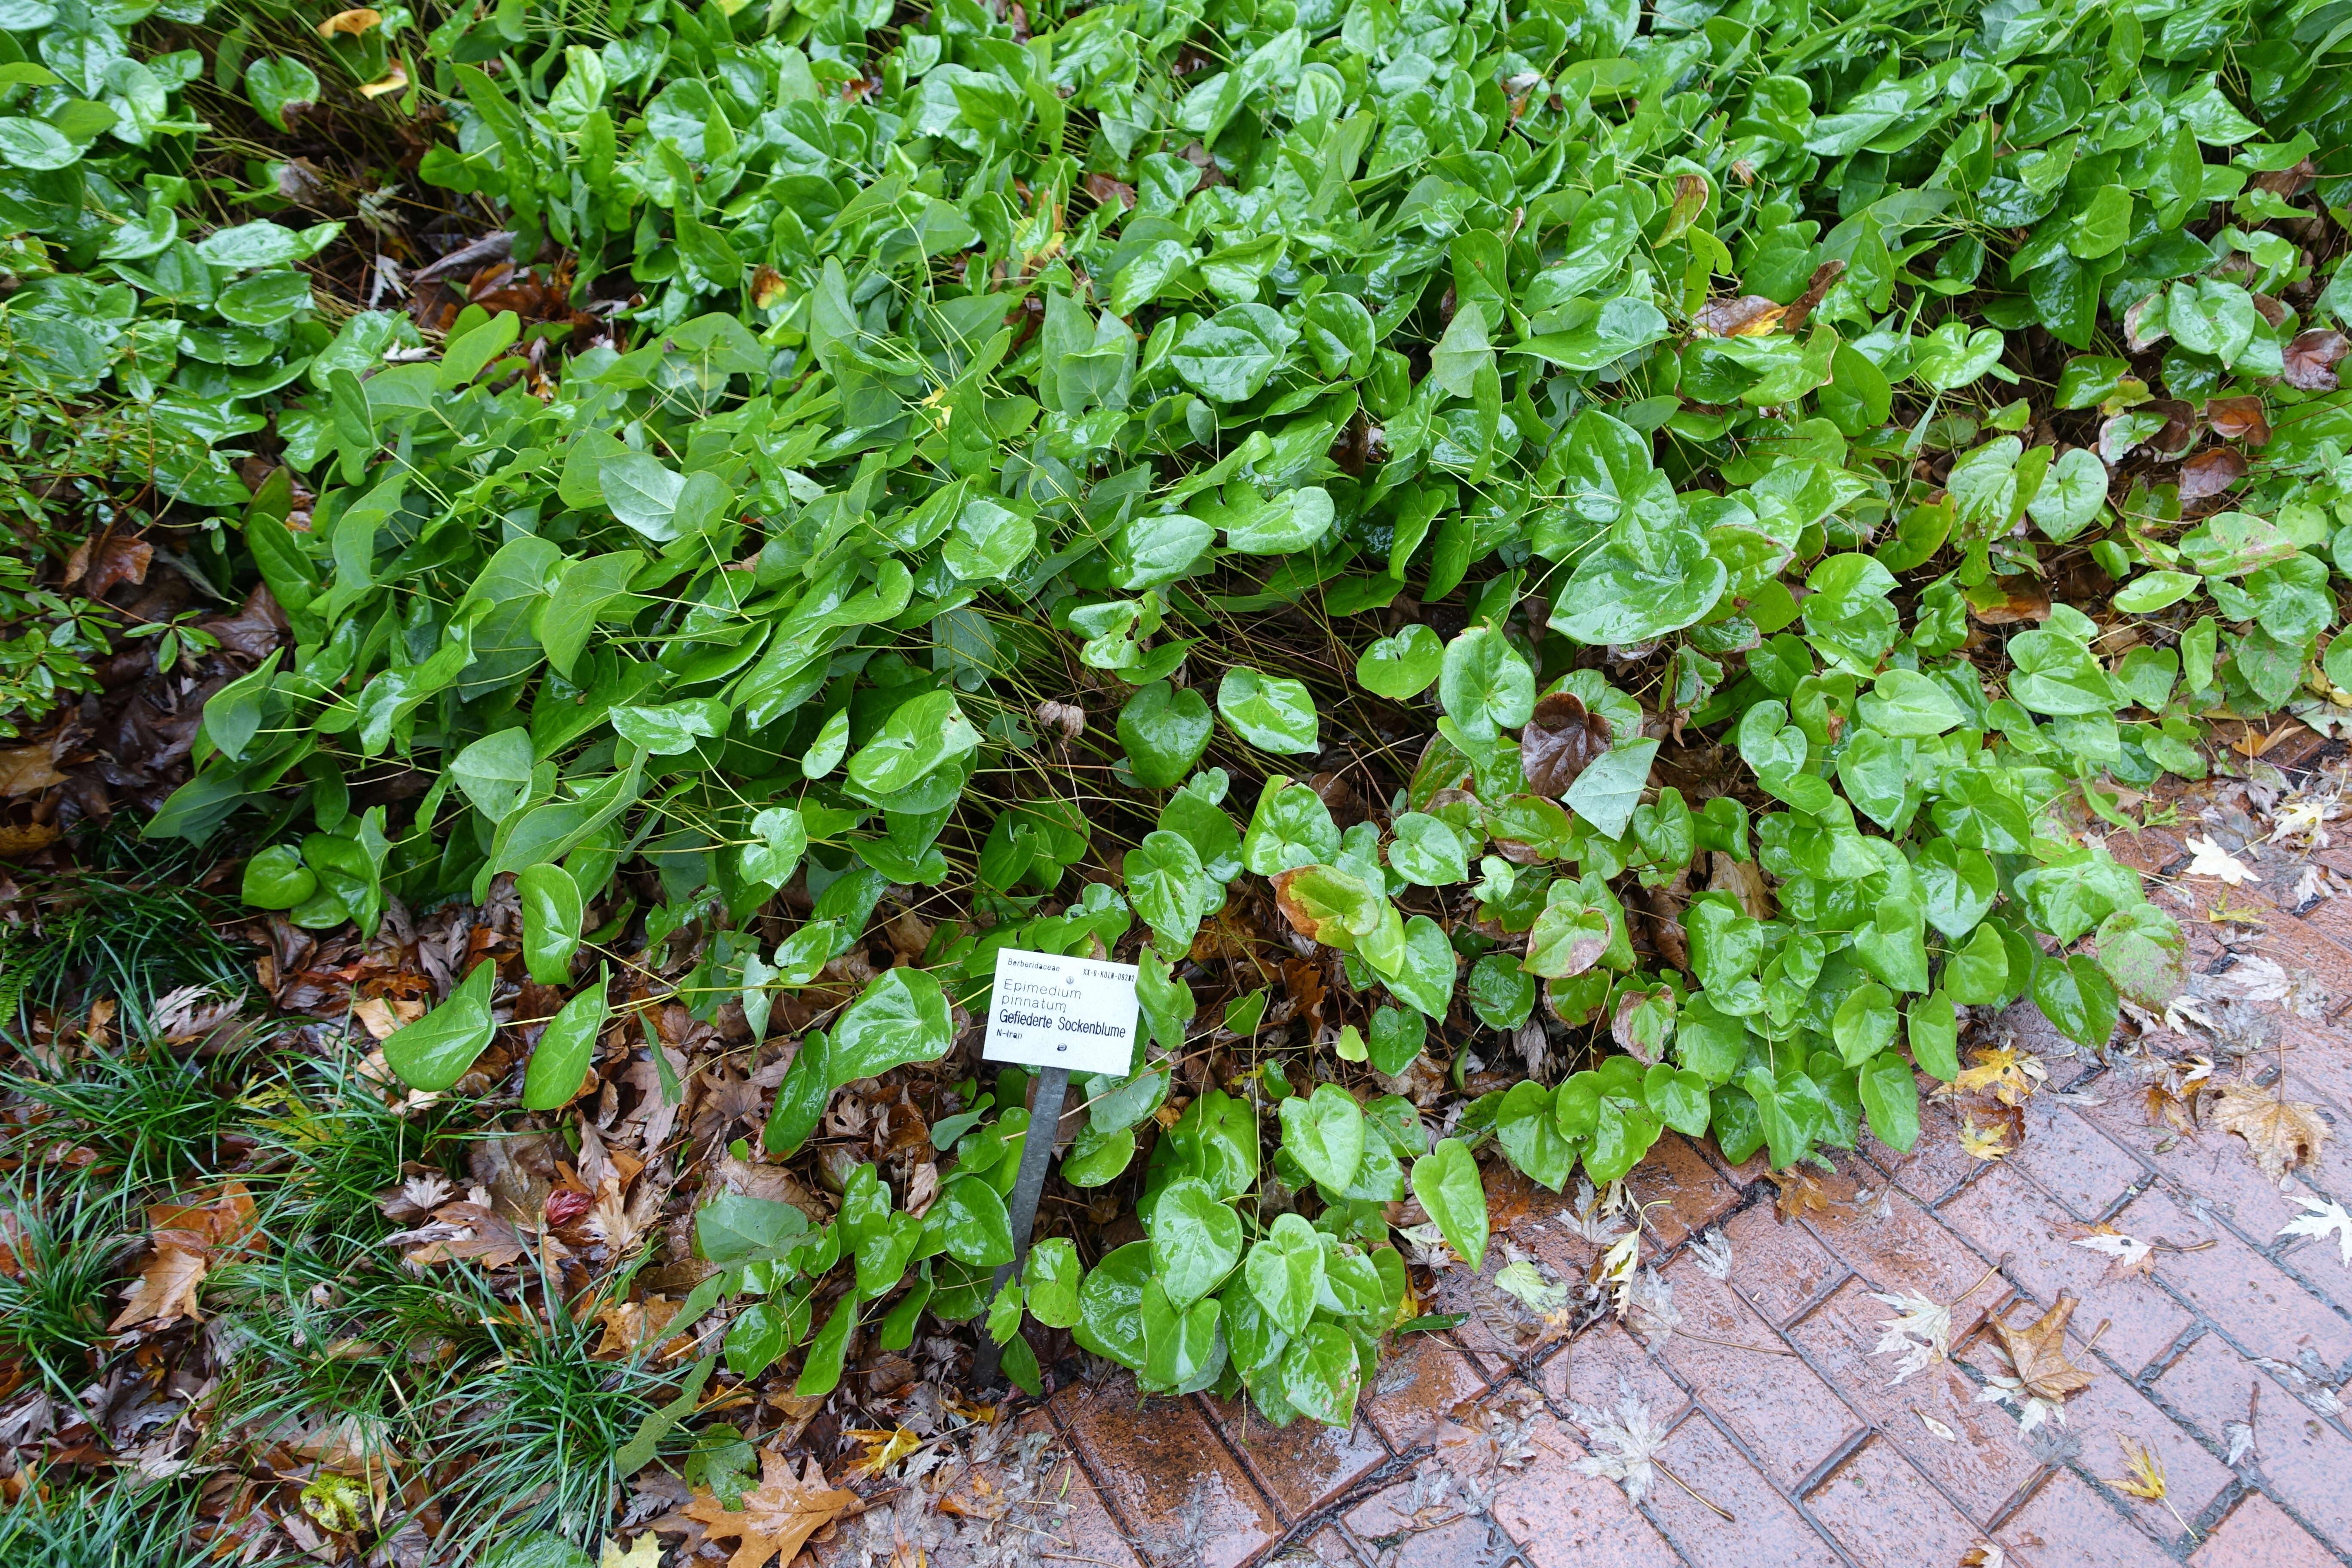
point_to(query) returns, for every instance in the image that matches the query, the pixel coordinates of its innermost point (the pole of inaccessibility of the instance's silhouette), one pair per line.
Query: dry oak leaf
(2280, 1133)
(2038, 1353)
(777, 1516)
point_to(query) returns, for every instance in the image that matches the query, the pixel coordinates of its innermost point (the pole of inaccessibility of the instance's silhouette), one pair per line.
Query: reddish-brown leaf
(1748, 316)
(1824, 278)
(2238, 419)
(97, 566)
(2180, 425)
(2211, 473)
(1103, 188)
(2310, 359)
(1560, 740)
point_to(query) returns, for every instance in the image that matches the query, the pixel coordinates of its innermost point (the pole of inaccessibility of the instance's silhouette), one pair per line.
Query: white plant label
(1053, 1011)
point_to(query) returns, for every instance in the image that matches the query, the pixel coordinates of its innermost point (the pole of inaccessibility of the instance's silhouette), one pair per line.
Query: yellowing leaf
(395, 79)
(2280, 1133)
(350, 23)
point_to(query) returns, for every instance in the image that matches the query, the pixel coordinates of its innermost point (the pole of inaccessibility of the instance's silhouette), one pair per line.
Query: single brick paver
(1680, 1192)
(1397, 1528)
(1764, 1527)
(1884, 1512)
(1182, 1496)
(1418, 1388)
(2221, 1357)
(2259, 1534)
(1300, 1466)
(1563, 1517)
(2069, 1525)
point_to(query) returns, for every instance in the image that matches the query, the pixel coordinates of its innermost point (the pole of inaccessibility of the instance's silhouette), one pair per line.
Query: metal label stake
(1045, 1115)
(1059, 1015)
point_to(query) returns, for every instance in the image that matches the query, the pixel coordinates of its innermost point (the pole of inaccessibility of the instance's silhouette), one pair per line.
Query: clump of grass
(145, 1114)
(68, 1234)
(529, 1435)
(131, 923)
(103, 1526)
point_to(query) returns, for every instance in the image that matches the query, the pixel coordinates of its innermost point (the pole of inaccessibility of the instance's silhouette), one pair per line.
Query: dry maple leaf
(2320, 1220)
(2044, 1377)
(2207, 859)
(1981, 1143)
(1921, 1330)
(1799, 1194)
(883, 1449)
(1631, 1434)
(2125, 1254)
(2145, 1477)
(2006, 1074)
(777, 1516)
(2280, 1133)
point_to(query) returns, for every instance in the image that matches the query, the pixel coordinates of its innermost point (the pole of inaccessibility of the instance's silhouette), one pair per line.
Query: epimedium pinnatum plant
(962, 355)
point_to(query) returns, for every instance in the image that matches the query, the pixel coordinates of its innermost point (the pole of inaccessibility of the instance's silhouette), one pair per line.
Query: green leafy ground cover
(1646, 544)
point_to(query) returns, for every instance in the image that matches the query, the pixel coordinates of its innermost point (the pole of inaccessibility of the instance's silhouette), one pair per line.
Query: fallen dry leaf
(2211, 473)
(1921, 1330)
(2310, 359)
(166, 1290)
(395, 79)
(2238, 419)
(2144, 1478)
(2321, 1220)
(1748, 316)
(1799, 1194)
(2281, 1133)
(2006, 1074)
(97, 565)
(27, 770)
(1559, 741)
(777, 1516)
(1980, 1142)
(350, 23)
(2038, 1353)
(2125, 1254)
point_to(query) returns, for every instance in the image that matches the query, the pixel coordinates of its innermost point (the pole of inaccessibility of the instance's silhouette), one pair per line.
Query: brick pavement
(2224, 1360)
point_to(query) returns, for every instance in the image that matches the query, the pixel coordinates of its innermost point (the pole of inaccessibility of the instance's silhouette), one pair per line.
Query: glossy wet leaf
(434, 1052)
